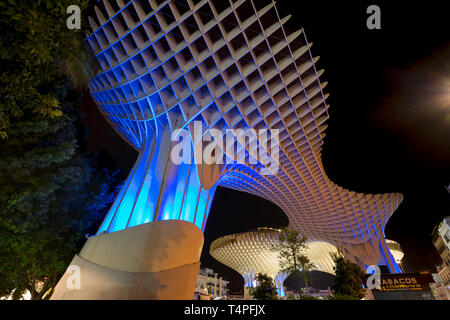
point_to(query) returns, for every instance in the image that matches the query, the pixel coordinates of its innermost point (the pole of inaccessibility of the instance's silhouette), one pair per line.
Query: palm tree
(306, 266)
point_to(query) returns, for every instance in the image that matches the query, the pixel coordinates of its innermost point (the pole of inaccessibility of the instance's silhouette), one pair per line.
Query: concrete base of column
(247, 295)
(157, 260)
(369, 295)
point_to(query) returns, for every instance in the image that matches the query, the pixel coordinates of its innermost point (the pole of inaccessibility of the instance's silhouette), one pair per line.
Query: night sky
(389, 126)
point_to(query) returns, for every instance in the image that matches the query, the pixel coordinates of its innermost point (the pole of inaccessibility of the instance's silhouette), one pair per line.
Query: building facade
(191, 70)
(441, 241)
(439, 289)
(210, 286)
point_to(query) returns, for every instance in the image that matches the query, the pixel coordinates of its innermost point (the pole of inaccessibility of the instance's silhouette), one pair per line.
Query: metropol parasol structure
(251, 253)
(205, 67)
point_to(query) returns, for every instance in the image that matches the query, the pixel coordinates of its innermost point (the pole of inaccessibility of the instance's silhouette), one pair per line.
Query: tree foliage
(51, 192)
(348, 281)
(290, 248)
(265, 288)
(306, 266)
(308, 298)
(36, 48)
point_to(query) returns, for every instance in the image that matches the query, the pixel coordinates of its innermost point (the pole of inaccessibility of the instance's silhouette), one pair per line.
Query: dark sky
(389, 128)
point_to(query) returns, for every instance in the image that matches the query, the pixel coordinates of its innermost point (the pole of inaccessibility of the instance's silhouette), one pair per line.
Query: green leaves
(51, 194)
(347, 283)
(265, 288)
(35, 48)
(290, 247)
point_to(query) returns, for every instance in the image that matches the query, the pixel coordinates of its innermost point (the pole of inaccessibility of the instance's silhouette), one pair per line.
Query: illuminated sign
(405, 281)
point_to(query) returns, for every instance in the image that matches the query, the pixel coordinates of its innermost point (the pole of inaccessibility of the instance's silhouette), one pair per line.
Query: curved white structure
(227, 65)
(250, 253)
(396, 251)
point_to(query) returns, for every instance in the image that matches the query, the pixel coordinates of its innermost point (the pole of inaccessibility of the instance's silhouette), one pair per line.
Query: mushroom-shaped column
(279, 280)
(227, 65)
(396, 252)
(250, 253)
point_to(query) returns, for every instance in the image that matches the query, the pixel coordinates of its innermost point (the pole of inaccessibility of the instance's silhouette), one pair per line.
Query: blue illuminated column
(158, 189)
(279, 280)
(387, 259)
(149, 244)
(249, 280)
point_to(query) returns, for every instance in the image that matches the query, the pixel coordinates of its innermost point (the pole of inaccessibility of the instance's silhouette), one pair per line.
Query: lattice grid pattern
(233, 64)
(250, 253)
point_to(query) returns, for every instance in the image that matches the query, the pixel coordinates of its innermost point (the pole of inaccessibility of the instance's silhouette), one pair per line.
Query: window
(447, 238)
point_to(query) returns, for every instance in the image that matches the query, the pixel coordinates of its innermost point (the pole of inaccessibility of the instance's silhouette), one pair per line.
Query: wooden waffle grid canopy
(250, 253)
(234, 65)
